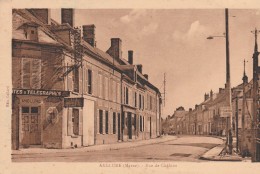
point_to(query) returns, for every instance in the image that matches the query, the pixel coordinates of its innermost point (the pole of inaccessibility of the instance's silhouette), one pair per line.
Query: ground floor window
(75, 121)
(100, 121)
(106, 126)
(114, 123)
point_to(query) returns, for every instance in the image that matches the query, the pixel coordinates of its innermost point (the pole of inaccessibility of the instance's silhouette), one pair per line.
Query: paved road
(184, 148)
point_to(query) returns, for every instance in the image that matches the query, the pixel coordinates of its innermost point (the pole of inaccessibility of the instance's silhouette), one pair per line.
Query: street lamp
(228, 83)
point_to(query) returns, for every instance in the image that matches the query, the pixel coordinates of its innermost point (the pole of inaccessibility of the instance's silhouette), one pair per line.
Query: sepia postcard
(135, 87)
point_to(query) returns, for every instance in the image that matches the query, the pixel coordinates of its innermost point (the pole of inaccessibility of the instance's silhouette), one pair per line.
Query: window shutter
(36, 73)
(70, 83)
(80, 122)
(26, 68)
(69, 117)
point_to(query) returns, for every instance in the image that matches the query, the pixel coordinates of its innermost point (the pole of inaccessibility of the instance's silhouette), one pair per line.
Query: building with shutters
(68, 93)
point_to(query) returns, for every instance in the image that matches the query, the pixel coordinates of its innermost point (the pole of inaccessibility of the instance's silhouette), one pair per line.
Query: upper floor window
(31, 73)
(89, 81)
(126, 95)
(76, 79)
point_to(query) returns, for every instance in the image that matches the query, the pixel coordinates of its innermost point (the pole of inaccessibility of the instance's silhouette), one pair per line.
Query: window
(135, 121)
(75, 121)
(135, 96)
(100, 121)
(76, 79)
(106, 126)
(140, 101)
(141, 124)
(126, 95)
(106, 88)
(100, 85)
(114, 123)
(31, 73)
(151, 102)
(89, 81)
(118, 93)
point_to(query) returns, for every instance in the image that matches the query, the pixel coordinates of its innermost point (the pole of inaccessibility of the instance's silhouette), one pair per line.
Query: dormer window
(30, 31)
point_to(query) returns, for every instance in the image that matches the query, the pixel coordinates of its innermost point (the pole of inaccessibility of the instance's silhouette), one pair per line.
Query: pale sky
(174, 42)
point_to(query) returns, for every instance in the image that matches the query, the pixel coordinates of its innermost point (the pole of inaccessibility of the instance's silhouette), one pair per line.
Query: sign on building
(73, 102)
(41, 92)
(225, 111)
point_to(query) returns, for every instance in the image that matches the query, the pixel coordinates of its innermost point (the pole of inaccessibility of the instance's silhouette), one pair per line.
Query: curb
(99, 148)
(218, 157)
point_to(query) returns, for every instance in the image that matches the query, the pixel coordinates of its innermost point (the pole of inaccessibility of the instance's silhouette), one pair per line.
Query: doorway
(30, 126)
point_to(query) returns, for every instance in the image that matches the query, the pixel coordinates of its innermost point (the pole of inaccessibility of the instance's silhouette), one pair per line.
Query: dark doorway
(129, 125)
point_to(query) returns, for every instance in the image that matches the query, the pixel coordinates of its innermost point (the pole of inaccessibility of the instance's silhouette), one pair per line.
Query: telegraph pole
(228, 87)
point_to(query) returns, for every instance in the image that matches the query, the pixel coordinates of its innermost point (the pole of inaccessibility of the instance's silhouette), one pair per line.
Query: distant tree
(181, 108)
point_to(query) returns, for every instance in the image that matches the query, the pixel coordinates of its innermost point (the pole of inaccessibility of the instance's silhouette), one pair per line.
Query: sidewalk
(121, 145)
(215, 154)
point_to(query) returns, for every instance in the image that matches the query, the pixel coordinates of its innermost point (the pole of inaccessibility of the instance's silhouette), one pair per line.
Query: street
(183, 148)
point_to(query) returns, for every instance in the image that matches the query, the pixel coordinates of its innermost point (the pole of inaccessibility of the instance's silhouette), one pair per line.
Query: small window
(25, 109)
(32, 32)
(34, 110)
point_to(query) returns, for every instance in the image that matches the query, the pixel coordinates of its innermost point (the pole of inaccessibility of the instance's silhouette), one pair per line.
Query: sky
(173, 41)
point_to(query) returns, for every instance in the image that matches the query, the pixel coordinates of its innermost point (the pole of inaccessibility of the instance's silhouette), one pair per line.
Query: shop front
(37, 118)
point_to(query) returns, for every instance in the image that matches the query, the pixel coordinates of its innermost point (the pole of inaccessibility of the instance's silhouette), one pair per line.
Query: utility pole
(228, 87)
(255, 114)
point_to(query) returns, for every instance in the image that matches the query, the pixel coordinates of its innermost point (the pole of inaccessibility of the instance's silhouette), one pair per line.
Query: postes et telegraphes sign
(40, 92)
(73, 102)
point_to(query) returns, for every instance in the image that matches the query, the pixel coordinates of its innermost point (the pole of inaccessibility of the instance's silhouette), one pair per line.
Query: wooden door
(30, 124)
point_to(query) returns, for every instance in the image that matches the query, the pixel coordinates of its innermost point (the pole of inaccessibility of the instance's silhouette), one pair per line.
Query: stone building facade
(68, 93)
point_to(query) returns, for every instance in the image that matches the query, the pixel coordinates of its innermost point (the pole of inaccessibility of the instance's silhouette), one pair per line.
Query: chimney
(115, 49)
(206, 96)
(130, 57)
(196, 106)
(146, 76)
(211, 93)
(139, 68)
(190, 109)
(67, 16)
(43, 14)
(89, 34)
(221, 90)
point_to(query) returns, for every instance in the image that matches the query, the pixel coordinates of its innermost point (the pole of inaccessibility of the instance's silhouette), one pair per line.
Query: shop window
(34, 110)
(106, 126)
(100, 121)
(25, 109)
(75, 121)
(89, 81)
(114, 123)
(31, 73)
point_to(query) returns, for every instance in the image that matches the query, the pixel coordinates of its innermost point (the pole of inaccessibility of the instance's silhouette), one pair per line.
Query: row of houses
(209, 117)
(68, 93)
